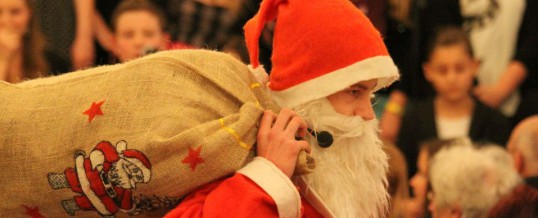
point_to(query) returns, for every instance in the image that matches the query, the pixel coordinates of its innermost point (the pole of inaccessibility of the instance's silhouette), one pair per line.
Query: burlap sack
(127, 139)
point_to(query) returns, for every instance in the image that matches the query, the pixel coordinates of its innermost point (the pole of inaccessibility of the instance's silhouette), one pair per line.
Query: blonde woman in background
(21, 42)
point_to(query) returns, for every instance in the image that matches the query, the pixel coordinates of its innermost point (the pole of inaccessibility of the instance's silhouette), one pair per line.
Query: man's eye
(354, 92)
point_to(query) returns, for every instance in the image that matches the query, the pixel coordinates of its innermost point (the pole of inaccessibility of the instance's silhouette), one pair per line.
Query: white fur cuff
(276, 184)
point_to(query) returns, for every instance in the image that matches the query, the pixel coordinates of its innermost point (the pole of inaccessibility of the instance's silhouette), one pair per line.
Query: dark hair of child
(448, 36)
(138, 5)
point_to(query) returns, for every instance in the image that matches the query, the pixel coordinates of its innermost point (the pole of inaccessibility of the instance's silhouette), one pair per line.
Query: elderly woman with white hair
(468, 181)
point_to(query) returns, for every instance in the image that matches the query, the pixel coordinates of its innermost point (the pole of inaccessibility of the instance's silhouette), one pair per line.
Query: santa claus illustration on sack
(104, 180)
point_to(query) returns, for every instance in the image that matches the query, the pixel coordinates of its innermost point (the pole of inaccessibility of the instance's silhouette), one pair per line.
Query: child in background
(21, 43)
(453, 112)
(416, 206)
(139, 29)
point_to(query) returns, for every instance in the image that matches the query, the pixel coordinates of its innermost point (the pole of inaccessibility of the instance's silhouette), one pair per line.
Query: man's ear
(455, 212)
(426, 68)
(519, 162)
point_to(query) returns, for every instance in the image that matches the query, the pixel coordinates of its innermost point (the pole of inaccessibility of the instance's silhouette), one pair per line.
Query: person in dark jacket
(453, 112)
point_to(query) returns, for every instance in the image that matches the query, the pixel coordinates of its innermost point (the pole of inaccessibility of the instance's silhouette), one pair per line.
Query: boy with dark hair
(139, 29)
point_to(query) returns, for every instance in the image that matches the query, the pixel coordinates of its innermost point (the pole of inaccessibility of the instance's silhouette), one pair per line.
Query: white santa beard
(350, 176)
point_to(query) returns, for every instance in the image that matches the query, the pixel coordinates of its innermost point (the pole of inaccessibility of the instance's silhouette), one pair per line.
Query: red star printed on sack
(94, 111)
(33, 212)
(193, 158)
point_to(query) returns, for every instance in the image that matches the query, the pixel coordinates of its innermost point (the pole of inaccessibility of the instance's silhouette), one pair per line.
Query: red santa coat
(258, 190)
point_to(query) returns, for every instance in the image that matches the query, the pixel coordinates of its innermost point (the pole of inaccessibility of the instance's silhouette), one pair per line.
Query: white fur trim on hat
(380, 67)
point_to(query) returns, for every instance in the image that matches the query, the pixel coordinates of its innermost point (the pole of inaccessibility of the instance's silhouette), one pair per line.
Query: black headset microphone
(324, 138)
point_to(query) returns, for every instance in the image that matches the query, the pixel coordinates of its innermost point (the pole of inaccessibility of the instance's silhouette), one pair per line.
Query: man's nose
(365, 110)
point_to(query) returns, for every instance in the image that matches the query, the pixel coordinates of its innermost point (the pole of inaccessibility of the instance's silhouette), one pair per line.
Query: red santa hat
(140, 161)
(319, 48)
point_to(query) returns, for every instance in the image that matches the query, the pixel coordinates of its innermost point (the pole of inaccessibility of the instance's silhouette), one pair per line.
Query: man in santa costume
(328, 60)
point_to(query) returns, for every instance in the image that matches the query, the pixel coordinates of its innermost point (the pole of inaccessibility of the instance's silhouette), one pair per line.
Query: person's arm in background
(104, 34)
(399, 12)
(410, 135)
(83, 49)
(520, 68)
(263, 187)
(392, 116)
(494, 95)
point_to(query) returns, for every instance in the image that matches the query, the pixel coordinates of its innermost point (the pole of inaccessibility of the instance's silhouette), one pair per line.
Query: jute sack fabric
(128, 139)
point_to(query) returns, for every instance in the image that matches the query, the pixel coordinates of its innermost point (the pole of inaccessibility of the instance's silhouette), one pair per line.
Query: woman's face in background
(15, 16)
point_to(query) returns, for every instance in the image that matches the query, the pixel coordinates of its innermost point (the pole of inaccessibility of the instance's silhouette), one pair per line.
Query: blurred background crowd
(469, 69)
